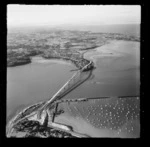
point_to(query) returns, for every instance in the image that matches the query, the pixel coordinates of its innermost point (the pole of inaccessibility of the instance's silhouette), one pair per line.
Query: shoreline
(80, 63)
(103, 54)
(83, 53)
(19, 63)
(51, 60)
(102, 51)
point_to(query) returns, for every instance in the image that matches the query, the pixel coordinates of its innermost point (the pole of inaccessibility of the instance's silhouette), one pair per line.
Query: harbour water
(117, 73)
(35, 82)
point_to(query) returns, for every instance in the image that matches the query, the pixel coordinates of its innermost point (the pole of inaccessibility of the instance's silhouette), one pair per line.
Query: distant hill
(128, 29)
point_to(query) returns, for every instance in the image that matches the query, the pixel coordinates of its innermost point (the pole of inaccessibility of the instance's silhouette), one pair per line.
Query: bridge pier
(54, 112)
(74, 81)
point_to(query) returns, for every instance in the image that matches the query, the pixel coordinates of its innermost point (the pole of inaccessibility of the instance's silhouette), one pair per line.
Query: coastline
(98, 50)
(80, 62)
(19, 63)
(81, 57)
(49, 61)
(47, 50)
(105, 51)
(40, 59)
(88, 66)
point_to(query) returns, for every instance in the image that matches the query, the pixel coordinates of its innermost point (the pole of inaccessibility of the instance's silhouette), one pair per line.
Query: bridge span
(77, 79)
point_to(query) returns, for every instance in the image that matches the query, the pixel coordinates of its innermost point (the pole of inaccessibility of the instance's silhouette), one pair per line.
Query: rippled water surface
(109, 117)
(34, 82)
(117, 73)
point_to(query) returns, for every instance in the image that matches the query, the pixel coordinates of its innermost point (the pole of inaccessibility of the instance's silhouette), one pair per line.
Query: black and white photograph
(73, 71)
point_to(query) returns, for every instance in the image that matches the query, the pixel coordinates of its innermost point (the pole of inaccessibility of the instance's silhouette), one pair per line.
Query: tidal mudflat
(117, 71)
(108, 117)
(116, 74)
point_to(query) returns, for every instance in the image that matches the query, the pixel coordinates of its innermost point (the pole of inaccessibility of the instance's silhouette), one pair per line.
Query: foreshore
(48, 61)
(19, 62)
(77, 60)
(64, 47)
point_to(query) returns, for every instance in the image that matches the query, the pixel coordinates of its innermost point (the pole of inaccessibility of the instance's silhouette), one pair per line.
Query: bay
(35, 82)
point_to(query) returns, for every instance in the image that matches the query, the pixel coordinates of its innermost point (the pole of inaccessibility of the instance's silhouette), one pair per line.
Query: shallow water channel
(117, 73)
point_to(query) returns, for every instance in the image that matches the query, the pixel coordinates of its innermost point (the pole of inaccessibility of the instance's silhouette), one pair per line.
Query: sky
(35, 15)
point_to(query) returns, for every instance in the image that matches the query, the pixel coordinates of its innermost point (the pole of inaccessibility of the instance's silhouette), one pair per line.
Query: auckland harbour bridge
(44, 113)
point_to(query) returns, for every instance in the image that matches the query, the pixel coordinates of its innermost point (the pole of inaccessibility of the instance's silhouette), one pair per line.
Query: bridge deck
(78, 78)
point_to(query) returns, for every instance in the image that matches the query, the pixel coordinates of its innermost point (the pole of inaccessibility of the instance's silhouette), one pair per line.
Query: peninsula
(59, 44)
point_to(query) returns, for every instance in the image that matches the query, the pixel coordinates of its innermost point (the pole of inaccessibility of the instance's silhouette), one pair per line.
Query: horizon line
(61, 25)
